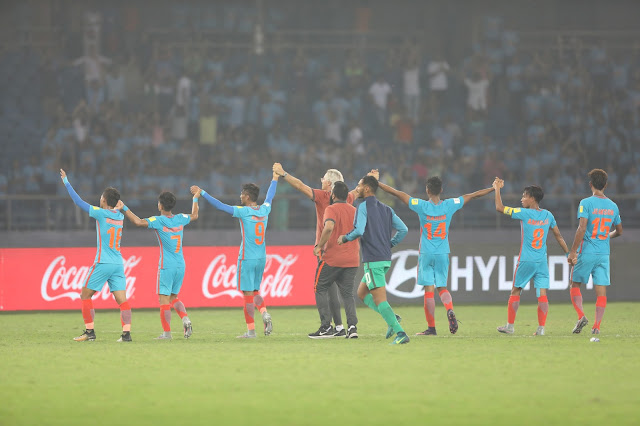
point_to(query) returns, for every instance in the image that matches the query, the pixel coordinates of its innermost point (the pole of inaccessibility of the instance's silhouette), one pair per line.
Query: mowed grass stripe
(477, 376)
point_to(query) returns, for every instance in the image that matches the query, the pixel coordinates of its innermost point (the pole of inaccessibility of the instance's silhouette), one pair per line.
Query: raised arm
(133, 218)
(195, 208)
(497, 185)
(577, 240)
(402, 196)
(74, 195)
(477, 194)
(559, 239)
(399, 226)
(271, 192)
(293, 181)
(212, 200)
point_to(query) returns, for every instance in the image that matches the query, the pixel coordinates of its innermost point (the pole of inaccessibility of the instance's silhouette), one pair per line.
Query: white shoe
(188, 331)
(506, 329)
(268, 325)
(248, 335)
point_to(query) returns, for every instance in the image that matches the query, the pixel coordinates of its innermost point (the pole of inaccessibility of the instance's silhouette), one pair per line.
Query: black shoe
(323, 333)
(352, 332)
(88, 335)
(431, 331)
(453, 322)
(341, 333)
(125, 337)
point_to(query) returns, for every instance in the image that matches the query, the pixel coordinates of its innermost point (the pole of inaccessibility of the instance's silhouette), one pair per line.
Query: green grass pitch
(477, 376)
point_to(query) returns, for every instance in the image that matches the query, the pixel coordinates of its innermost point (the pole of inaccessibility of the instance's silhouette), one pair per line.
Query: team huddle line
(354, 227)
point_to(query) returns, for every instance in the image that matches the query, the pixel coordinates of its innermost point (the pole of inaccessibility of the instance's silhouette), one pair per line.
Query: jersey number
(259, 233)
(600, 228)
(114, 238)
(441, 231)
(177, 237)
(538, 235)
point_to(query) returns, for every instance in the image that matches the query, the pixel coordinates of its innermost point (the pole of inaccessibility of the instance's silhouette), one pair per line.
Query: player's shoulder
(549, 214)
(415, 201)
(341, 207)
(154, 219)
(456, 201)
(320, 195)
(587, 200)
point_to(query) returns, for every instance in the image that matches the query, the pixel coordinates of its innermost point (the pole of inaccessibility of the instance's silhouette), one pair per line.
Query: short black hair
(111, 196)
(598, 178)
(434, 185)
(534, 191)
(371, 182)
(252, 190)
(340, 190)
(167, 200)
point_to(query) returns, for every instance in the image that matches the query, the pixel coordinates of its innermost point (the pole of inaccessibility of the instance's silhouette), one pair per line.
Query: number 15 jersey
(602, 214)
(534, 231)
(253, 225)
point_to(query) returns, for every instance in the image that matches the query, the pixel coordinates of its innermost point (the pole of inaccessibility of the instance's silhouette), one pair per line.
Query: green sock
(389, 316)
(368, 300)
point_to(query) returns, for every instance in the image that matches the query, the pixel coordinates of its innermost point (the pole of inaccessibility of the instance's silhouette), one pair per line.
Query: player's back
(109, 225)
(535, 225)
(434, 222)
(169, 230)
(602, 214)
(375, 242)
(322, 200)
(253, 225)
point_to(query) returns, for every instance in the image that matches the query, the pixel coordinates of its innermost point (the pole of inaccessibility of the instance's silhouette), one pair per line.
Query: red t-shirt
(322, 199)
(346, 255)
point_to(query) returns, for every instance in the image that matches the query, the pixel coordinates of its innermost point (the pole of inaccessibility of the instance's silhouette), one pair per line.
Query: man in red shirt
(338, 264)
(322, 199)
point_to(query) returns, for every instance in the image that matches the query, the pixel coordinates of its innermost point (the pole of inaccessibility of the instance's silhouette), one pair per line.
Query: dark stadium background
(153, 95)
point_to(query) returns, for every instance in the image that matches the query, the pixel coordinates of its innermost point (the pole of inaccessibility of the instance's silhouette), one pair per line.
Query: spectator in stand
(412, 90)
(379, 93)
(93, 65)
(477, 87)
(438, 70)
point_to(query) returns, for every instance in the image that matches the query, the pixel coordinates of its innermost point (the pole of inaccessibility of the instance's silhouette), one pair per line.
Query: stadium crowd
(142, 116)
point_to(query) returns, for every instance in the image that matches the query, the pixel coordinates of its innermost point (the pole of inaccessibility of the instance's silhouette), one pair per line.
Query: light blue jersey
(253, 224)
(109, 230)
(602, 214)
(434, 223)
(535, 229)
(169, 230)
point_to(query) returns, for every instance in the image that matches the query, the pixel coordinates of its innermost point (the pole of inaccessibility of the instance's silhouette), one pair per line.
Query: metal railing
(290, 211)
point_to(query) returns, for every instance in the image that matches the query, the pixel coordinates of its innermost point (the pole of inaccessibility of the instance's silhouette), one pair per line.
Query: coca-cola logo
(60, 281)
(220, 278)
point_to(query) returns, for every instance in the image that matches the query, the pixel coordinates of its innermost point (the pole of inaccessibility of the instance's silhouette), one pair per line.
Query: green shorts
(375, 273)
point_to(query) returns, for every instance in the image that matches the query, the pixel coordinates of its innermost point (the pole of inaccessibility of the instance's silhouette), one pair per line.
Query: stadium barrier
(51, 278)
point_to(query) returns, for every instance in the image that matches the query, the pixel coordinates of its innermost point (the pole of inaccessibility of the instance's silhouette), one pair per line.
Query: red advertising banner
(43, 279)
